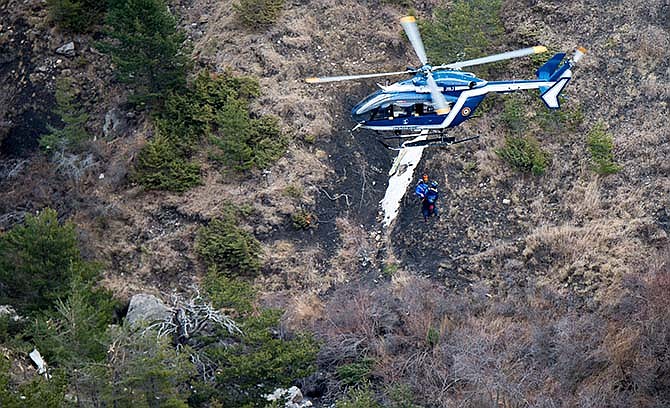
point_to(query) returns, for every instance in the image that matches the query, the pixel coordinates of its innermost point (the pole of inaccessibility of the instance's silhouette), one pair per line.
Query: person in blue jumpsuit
(429, 203)
(421, 187)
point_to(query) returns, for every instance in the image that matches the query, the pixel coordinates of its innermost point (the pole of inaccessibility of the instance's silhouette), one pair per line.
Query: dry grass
(357, 248)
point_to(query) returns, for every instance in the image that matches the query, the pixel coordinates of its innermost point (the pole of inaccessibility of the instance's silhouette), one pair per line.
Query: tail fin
(558, 71)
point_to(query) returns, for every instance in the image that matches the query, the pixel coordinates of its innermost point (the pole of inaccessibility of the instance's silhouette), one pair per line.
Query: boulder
(66, 49)
(147, 308)
(115, 124)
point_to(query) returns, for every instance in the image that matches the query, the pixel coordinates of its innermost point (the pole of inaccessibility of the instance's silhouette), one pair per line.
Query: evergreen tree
(76, 15)
(37, 262)
(76, 333)
(74, 119)
(146, 47)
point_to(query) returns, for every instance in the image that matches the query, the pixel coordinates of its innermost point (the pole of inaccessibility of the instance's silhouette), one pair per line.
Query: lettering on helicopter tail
(465, 111)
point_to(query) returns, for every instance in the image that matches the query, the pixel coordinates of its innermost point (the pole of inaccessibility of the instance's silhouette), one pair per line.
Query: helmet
(424, 177)
(433, 184)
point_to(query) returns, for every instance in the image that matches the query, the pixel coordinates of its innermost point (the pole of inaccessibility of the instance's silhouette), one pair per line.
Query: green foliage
(302, 219)
(242, 142)
(514, 115)
(463, 30)
(146, 48)
(260, 361)
(161, 166)
(190, 116)
(358, 397)
(213, 109)
(600, 145)
(74, 118)
(390, 269)
(38, 261)
(228, 293)
(76, 333)
(555, 120)
(401, 396)
(432, 337)
(76, 15)
(524, 154)
(229, 248)
(294, 191)
(145, 371)
(257, 14)
(36, 393)
(355, 373)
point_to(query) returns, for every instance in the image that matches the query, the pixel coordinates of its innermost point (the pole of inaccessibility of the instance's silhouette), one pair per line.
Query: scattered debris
(67, 49)
(291, 397)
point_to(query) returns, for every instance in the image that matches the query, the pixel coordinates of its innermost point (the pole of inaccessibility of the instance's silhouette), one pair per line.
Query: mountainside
(528, 290)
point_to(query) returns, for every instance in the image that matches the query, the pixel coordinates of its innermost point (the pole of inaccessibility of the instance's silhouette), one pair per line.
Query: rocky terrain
(510, 254)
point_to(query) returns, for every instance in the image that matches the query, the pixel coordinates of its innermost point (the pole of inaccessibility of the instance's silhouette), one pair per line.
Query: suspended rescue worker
(429, 203)
(422, 187)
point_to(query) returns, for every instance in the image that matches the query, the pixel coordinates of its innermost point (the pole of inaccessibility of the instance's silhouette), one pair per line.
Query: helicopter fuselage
(407, 106)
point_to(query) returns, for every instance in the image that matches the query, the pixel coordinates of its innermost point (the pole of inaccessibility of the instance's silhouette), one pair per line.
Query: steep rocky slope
(567, 243)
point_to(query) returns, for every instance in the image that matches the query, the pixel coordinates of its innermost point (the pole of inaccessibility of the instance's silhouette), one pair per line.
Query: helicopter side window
(399, 111)
(418, 109)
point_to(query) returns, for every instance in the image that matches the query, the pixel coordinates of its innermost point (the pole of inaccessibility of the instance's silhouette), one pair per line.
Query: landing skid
(430, 142)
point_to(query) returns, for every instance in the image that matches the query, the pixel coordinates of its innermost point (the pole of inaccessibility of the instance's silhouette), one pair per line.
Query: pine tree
(146, 47)
(76, 15)
(37, 262)
(74, 118)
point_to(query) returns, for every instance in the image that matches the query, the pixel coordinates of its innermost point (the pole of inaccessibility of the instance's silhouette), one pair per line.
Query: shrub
(302, 220)
(76, 15)
(401, 396)
(146, 48)
(257, 14)
(514, 115)
(214, 109)
(555, 120)
(36, 393)
(228, 293)
(355, 373)
(466, 29)
(38, 261)
(358, 397)
(160, 165)
(73, 117)
(242, 142)
(260, 361)
(144, 371)
(600, 145)
(432, 337)
(227, 247)
(76, 333)
(524, 154)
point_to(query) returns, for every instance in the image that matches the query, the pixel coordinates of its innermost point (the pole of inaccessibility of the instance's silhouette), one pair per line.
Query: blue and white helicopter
(443, 96)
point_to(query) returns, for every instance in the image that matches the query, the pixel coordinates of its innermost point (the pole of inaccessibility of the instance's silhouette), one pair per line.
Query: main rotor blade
(409, 24)
(349, 77)
(497, 57)
(439, 101)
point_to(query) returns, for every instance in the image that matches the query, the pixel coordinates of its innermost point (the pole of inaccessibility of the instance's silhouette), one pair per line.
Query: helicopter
(419, 110)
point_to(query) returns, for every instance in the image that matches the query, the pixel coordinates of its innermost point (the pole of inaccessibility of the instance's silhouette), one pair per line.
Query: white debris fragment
(292, 397)
(401, 176)
(39, 362)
